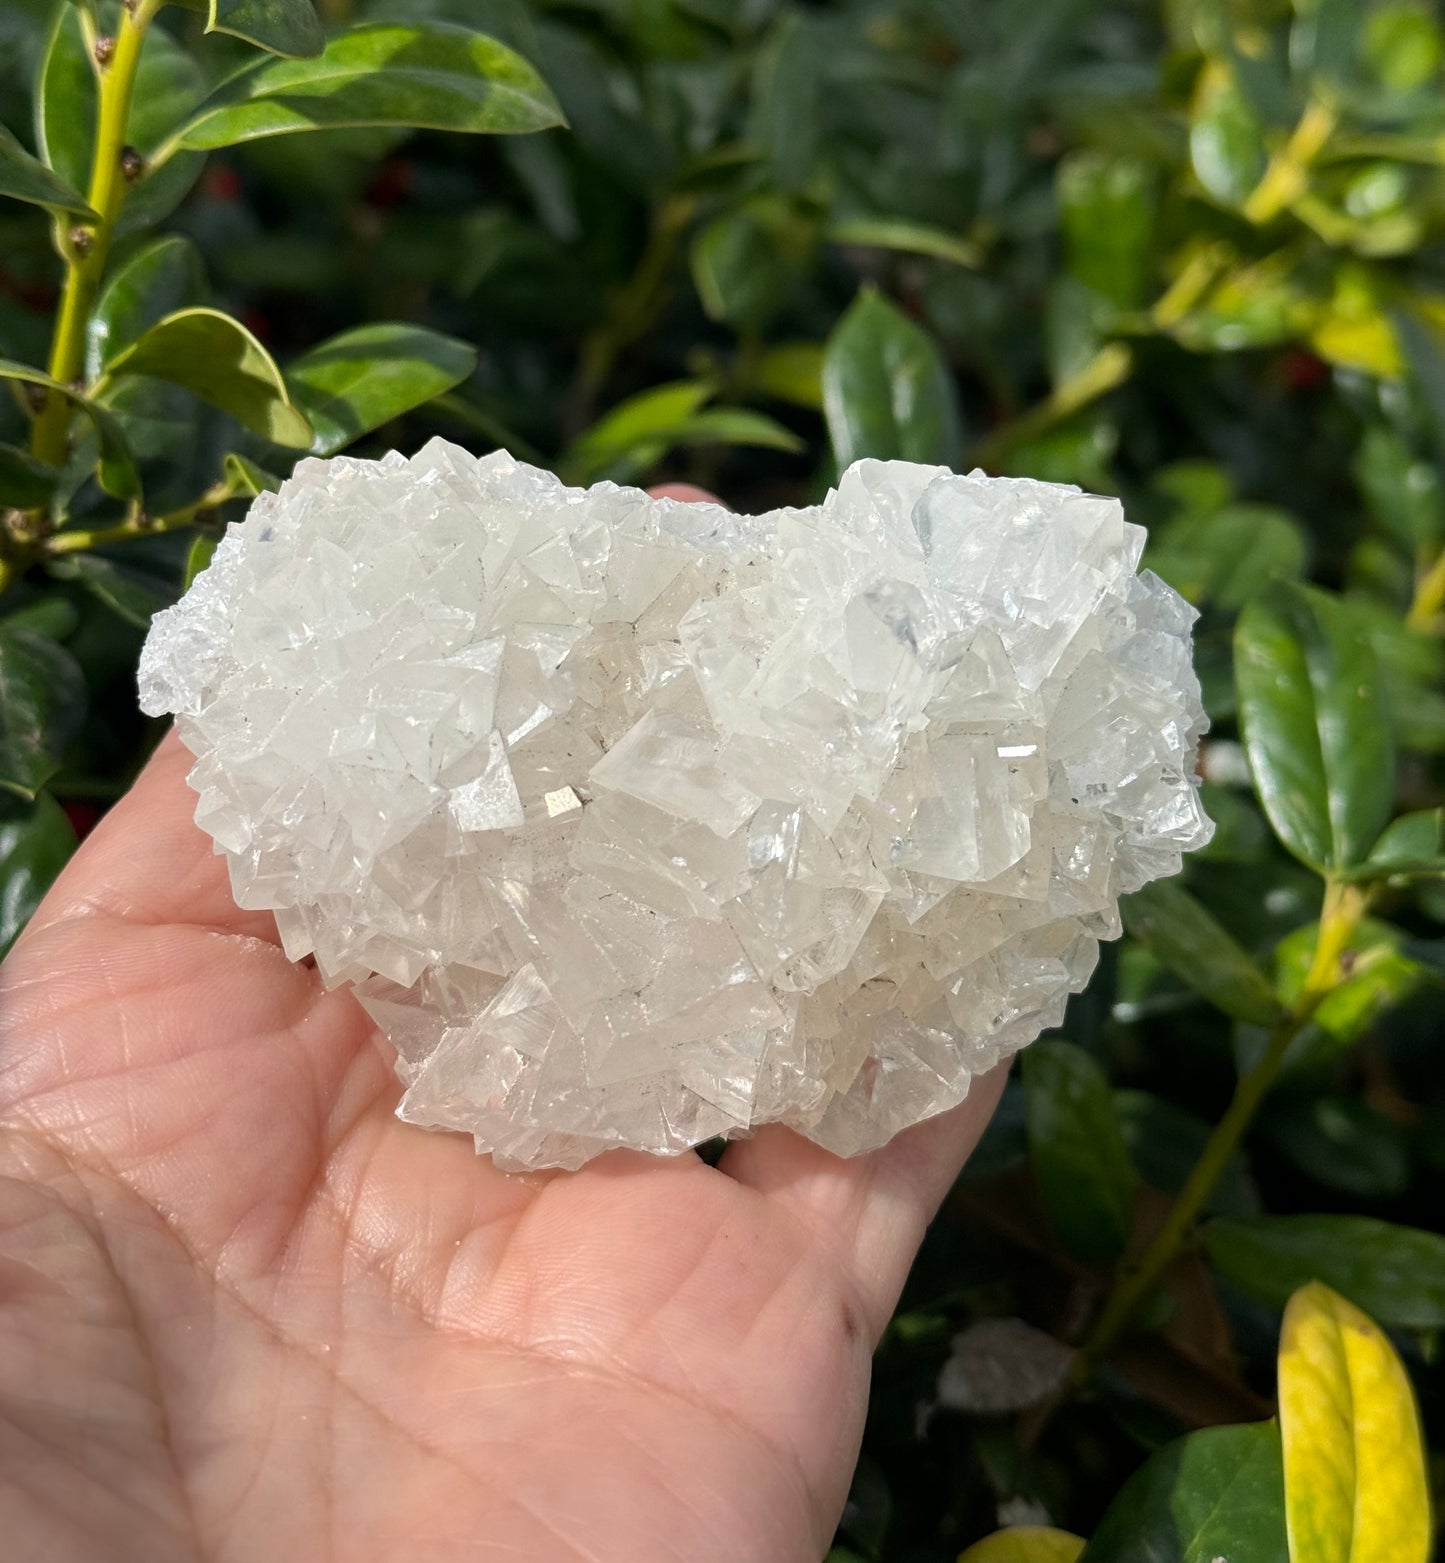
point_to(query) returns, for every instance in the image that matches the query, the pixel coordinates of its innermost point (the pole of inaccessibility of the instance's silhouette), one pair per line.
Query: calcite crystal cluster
(637, 822)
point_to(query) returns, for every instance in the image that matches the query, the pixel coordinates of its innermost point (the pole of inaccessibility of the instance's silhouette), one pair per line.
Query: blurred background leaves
(1190, 252)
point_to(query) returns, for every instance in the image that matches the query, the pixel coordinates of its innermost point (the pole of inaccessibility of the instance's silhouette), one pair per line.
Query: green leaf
(1403, 46)
(1226, 139)
(636, 432)
(1381, 974)
(1025, 1544)
(1340, 1142)
(891, 233)
(198, 558)
(1230, 556)
(1107, 205)
(1319, 740)
(1325, 39)
(428, 76)
(153, 282)
(26, 178)
(1164, 1142)
(1355, 1484)
(1077, 1150)
(792, 372)
(245, 479)
(1411, 846)
(42, 704)
(169, 84)
(886, 390)
(133, 594)
(285, 27)
(65, 101)
(1395, 1273)
(1216, 1494)
(117, 473)
(25, 484)
(216, 358)
(745, 262)
(736, 426)
(1164, 916)
(784, 109)
(36, 841)
(355, 382)
(1403, 492)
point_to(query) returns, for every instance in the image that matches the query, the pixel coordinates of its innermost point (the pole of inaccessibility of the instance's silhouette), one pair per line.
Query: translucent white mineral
(637, 822)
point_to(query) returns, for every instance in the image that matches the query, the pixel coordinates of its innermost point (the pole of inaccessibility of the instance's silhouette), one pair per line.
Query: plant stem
(633, 309)
(1288, 172)
(1429, 599)
(136, 525)
(1343, 907)
(85, 260)
(1108, 368)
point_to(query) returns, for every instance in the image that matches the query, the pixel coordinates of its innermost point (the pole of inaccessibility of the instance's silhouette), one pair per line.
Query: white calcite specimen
(637, 822)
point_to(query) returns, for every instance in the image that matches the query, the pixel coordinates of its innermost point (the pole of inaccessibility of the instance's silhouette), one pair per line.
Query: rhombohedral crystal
(636, 822)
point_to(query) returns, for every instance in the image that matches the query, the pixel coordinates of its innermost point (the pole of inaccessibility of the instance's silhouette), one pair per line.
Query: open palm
(246, 1314)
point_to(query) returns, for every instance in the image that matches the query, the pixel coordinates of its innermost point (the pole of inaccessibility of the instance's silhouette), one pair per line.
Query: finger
(148, 862)
(869, 1212)
(688, 492)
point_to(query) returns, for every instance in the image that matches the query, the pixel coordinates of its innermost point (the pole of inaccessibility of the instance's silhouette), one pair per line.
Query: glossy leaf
(117, 471)
(25, 178)
(216, 358)
(1107, 207)
(1402, 491)
(1215, 1494)
(1195, 947)
(1354, 1465)
(25, 484)
(132, 593)
(246, 479)
(153, 282)
(887, 391)
(1025, 1544)
(285, 27)
(357, 381)
(745, 261)
(65, 101)
(42, 704)
(1230, 556)
(1412, 844)
(1342, 1143)
(792, 372)
(1083, 1171)
(36, 841)
(1164, 1142)
(198, 558)
(1396, 1273)
(1315, 726)
(1226, 140)
(430, 76)
(169, 85)
(636, 431)
(887, 233)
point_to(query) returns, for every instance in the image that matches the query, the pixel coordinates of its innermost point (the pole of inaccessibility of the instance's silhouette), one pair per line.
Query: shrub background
(1186, 252)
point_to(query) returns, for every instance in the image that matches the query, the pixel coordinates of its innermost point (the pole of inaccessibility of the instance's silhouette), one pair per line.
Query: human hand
(247, 1314)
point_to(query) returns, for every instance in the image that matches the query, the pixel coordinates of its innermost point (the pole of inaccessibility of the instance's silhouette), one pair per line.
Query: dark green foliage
(1188, 253)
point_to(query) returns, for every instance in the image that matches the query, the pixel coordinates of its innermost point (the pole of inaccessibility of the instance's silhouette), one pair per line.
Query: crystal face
(636, 822)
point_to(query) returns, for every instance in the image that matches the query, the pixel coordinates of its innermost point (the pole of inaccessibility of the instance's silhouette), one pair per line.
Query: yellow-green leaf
(1025, 1544)
(218, 359)
(1354, 1465)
